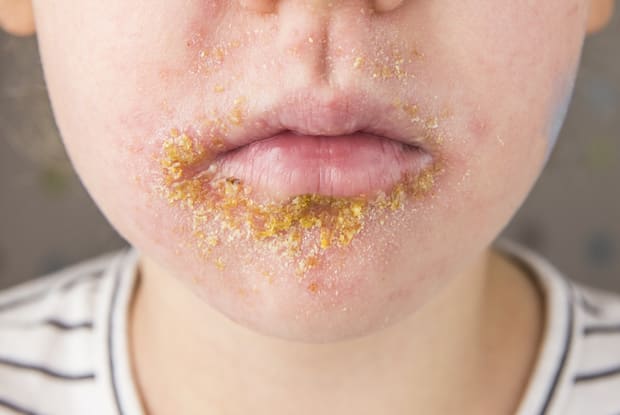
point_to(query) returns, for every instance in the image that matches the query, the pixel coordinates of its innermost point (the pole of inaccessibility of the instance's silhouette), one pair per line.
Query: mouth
(356, 164)
(303, 176)
(336, 145)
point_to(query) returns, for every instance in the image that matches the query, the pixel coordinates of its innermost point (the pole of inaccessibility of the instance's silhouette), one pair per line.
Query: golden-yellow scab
(306, 263)
(211, 58)
(268, 276)
(219, 263)
(235, 117)
(358, 62)
(313, 287)
(412, 112)
(186, 191)
(429, 123)
(390, 64)
(432, 123)
(417, 54)
(179, 153)
(236, 114)
(301, 227)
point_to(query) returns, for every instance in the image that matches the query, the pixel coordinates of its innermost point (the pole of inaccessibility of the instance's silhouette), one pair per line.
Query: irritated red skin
(125, 97)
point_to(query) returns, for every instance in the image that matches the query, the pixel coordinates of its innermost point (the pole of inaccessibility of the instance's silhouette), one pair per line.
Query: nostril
(260, 6)
(387, 5)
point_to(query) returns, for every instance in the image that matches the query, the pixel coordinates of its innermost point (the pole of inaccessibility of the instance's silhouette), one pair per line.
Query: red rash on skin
(475, 55)
(478, 127)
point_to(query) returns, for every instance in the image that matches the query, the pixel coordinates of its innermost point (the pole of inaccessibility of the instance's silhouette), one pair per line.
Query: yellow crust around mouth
(302, 227)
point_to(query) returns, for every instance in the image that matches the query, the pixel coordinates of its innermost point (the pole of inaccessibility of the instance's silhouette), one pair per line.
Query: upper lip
(329, 114)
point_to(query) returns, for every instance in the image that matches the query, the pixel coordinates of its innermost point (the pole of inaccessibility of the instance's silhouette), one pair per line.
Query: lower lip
(290, 164)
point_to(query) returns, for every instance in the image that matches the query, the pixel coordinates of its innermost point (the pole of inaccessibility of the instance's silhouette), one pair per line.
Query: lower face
(314, 232)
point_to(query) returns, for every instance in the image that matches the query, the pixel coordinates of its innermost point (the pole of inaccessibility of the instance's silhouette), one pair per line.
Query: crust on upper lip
(327, 114)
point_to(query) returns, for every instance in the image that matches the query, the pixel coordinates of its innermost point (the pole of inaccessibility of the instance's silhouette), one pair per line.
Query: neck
(455, 346)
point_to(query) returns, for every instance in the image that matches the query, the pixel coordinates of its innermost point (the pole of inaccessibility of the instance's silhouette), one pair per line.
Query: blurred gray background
(572, 216)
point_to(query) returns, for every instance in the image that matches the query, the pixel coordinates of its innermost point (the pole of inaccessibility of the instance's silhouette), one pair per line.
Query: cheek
(520, 71)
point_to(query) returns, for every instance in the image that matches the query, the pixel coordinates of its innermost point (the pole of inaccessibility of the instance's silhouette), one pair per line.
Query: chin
(349, 292)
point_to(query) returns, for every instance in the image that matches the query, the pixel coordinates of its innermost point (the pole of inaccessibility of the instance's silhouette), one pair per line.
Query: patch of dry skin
(389, 61)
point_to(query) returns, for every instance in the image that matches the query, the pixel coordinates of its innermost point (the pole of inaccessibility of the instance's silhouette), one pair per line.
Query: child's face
(148, 93)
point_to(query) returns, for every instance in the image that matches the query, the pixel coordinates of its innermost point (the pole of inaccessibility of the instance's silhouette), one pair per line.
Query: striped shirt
(64, 346)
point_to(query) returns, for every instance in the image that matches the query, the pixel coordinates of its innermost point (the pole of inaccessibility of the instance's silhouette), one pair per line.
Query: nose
(269, 6)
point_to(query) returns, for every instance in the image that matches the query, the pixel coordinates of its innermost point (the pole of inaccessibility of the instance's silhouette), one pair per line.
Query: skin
(448, 316)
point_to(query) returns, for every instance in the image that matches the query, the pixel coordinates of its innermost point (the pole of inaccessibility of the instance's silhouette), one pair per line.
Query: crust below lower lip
(223, 208)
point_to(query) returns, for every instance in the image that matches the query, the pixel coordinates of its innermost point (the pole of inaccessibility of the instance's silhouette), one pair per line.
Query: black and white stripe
(579, 376)
(46, 342)
(64, 349)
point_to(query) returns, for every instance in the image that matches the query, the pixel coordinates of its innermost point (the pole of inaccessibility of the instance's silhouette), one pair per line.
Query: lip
(328, 113)
(322, 142)
(350, 165)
